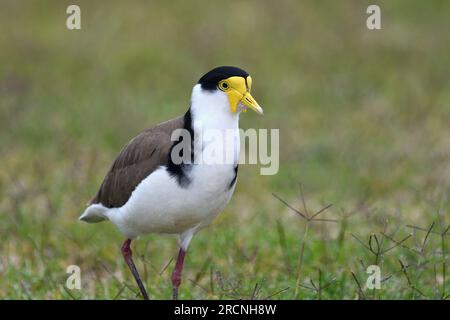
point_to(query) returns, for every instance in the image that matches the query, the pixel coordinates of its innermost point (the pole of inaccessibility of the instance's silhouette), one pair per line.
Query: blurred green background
(364, 125)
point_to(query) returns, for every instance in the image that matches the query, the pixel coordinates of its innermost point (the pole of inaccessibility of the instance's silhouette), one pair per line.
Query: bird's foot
(128, 255)
(175, 293)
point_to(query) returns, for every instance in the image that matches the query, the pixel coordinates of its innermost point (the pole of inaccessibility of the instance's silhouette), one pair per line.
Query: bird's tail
(95, 213)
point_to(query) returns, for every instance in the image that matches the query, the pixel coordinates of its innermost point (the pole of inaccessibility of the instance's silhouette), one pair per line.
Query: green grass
(363, 118)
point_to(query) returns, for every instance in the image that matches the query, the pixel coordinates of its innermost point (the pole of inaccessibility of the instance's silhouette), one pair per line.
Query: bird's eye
(224, 86)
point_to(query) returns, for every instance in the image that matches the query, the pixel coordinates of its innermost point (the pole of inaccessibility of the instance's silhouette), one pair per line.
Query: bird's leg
(176, 274)
(127, 254)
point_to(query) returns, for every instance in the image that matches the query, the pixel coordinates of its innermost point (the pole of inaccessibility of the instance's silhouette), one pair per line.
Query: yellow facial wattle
(238, 90)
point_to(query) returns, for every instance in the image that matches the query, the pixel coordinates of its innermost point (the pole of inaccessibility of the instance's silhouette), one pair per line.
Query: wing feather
(138, 159)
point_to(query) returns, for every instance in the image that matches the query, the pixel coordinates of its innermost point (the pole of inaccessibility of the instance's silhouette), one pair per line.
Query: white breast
(159, 204)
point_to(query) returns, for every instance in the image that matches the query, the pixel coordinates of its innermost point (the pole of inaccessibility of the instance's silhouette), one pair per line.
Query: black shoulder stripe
(179, 170)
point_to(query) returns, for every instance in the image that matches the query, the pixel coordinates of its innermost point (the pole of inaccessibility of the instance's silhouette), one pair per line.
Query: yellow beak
(248, 101)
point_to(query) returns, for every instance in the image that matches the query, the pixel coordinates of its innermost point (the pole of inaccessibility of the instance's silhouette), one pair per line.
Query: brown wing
(139, 158)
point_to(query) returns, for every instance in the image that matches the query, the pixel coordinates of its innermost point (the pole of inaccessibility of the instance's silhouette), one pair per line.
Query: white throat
(215, 126)
(212, 109)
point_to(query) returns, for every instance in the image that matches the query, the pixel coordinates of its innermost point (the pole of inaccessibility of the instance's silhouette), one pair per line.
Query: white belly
(159, 204)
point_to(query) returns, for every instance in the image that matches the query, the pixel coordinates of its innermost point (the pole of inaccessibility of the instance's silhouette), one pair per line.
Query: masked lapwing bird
(176, 177)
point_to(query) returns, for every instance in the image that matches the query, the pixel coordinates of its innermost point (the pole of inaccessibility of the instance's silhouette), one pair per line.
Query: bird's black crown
(210, 80)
